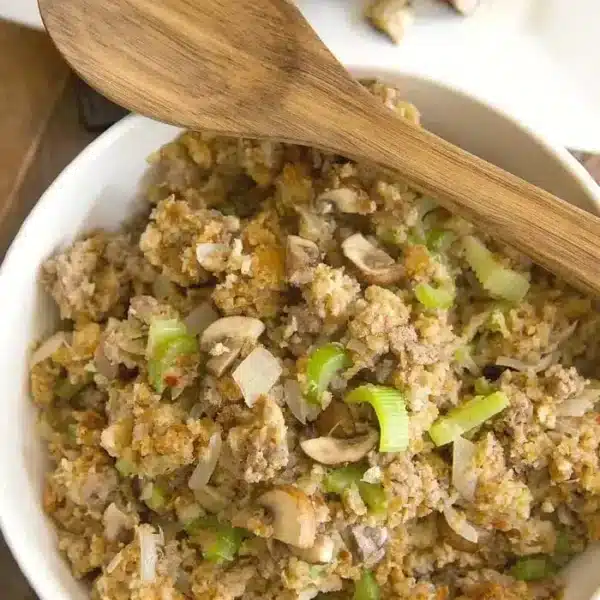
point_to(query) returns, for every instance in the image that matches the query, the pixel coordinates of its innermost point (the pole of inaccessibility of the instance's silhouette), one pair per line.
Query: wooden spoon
(255, 68)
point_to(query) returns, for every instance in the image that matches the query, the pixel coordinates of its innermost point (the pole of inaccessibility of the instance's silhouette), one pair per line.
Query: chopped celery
(499, 281)
(434, 298)
(323, 363)
(563, 544)
(162, 331)
(390, 409)
(219, 541)
(467, 416)
(168, 343)
(463, 356)
(366, 588)
(533, 568)
(154, 496)
(340, 479)
(66, 390)
(373, 496)
(125, 467)
(483, 387)
(439, 240)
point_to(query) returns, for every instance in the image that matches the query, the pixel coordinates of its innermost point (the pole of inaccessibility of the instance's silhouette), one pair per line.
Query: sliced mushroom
(294, 520)
(334, 451)
(300, 256)
(349, 200)
(322, 552)
(376, 266)
(233, 332)
(336, 421)
(370, 543)
(217, 365)
(464, 7)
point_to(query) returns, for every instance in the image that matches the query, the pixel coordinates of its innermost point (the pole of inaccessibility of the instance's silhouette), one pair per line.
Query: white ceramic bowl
(100, 189)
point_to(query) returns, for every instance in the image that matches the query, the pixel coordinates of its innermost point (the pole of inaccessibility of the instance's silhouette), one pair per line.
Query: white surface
(536, 59)
(99, 189)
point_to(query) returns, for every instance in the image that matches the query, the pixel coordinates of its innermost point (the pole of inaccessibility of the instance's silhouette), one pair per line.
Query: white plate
(535, 59)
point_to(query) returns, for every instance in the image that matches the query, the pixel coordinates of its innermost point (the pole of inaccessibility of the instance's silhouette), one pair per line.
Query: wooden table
(40, 133)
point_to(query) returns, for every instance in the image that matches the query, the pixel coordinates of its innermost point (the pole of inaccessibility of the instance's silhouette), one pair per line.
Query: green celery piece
(340, 479)
(163, 330)
(157, 498)
(323, 363)
(483, 387)
(125, 467)
(390, 409)
(225, 540)
(499, 281)
(373, 496)
(469, 415)
(533, 568)
(439, 240)
(434, 298)
(66, 390)
(366, 588)
(165, 357)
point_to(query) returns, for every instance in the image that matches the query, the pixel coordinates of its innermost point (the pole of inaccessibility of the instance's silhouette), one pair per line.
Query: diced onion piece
(366, 588)
(467, 416)
(257, 374)
(49, 347)
(162, 331)
(464, 476)
(149, 542)
(200, 318)
(533, 568)
(499, 281)
(519, 365)
(458, 523)
(579, 405)
(323, 363)
(115, 520)
(207, 251)
(390, 409)
(464, 357)
(434, 298)
(297, 403)
(206, 463)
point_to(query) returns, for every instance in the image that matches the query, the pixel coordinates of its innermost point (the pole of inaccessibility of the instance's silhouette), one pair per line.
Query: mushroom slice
(233, 332)
(217, 365)
(376, 266)
(335, 451)
(300, 256)
(322, 551)
(348, 200)
(294, 520)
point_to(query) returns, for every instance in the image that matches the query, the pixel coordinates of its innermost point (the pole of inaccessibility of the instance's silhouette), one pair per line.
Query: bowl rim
(28, 557)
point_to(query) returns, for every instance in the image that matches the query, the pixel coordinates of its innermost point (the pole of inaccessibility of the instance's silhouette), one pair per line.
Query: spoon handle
(555, 234)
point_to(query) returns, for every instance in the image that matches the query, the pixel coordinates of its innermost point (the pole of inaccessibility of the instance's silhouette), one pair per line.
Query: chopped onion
(297, 402)
(200, 318)
(519, 365)
(257, 374)
(564, 335)
(206, 463)
(579, 405)
(49, 347)
(114, 521)
(115, 562)
(464, 477)
(149, 542)
(457, 522)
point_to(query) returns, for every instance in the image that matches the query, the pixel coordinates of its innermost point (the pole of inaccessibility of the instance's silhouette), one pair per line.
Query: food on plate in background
(393, 17)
